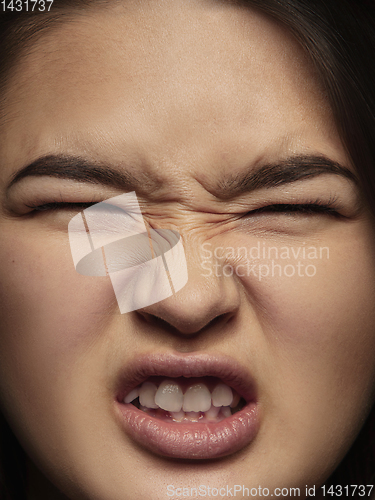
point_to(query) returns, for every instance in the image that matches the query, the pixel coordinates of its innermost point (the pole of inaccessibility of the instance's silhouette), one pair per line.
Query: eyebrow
(286, 171)
(270, 175)
(80, 169)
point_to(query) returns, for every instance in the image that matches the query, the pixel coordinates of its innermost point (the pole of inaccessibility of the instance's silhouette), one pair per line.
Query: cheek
(316, 341)
(318, 330)
(328, 317)
(321, 333)
(315, 295)
(49, 314)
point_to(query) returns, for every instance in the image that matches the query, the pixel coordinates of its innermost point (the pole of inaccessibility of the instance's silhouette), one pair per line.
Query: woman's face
(209, 112)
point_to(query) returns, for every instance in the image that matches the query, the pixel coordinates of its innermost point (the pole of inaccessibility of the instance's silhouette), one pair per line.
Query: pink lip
(189, 440)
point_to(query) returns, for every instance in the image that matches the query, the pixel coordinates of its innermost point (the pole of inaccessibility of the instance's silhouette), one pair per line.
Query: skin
(183, 93)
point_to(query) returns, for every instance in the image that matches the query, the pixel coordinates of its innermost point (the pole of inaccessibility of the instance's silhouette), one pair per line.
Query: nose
(208, 298)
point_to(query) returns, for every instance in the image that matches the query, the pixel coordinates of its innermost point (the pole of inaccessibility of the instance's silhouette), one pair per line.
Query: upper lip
(172, 365)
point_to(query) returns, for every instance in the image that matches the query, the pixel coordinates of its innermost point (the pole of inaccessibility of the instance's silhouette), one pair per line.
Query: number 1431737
(26, 5)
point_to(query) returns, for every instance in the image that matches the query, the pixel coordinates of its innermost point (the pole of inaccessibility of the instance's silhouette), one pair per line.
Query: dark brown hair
(339, 36)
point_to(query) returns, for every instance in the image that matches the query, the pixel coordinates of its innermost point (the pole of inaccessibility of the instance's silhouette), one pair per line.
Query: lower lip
(191, 440)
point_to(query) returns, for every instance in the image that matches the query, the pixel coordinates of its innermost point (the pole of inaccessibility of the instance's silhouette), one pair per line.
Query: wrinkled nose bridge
(111, 239)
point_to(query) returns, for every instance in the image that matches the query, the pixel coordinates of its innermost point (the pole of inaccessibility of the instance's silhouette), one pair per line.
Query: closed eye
(60, 206)
(282, 208)
(298, 208)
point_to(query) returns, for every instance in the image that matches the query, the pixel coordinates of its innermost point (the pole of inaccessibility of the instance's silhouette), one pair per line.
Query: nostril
(187, 327)
(221, 319)
(153, 320)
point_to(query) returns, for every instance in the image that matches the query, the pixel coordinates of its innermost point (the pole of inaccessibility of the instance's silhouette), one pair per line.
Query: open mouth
(205, 399)
(188, 406)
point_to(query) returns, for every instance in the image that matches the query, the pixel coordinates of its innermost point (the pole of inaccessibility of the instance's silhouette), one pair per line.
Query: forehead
(156, 79)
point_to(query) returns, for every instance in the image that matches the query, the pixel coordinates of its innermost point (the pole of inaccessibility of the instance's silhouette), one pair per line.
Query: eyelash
(59, 205)
(302, 208)
(316, 207)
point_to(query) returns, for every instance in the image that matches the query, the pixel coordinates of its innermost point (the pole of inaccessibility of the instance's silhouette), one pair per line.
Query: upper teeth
(147, 395)
(222, 395)
(169, 397)
(197, 398)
